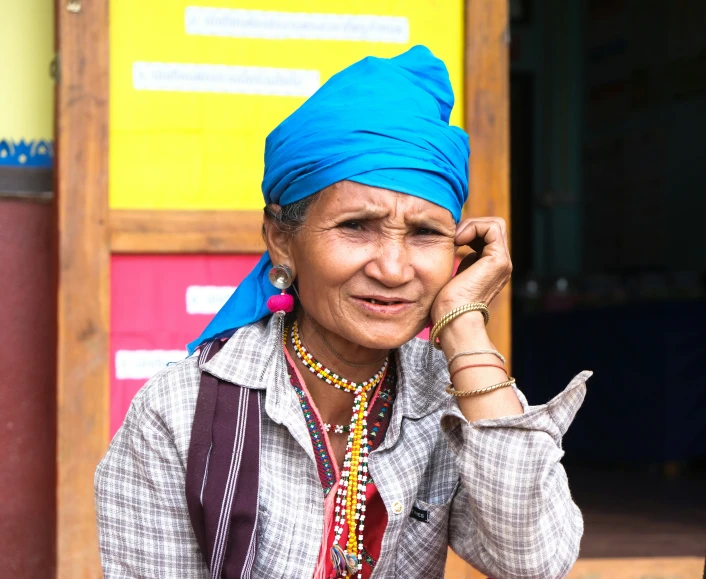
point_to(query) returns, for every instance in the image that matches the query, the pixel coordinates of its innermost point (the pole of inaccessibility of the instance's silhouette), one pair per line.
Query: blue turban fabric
(382, 122)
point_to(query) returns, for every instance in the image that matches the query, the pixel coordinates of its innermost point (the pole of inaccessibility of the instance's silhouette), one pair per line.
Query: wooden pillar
(83, 277)
(487, 83)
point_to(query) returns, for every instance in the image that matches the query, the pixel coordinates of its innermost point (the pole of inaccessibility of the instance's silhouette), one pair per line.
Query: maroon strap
(223, 471)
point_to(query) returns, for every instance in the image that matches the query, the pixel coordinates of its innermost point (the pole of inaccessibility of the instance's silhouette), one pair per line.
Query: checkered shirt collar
(251, 358)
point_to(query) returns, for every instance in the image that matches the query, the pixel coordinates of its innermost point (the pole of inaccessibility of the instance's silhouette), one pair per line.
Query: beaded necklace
(337, 428)
(350, 497)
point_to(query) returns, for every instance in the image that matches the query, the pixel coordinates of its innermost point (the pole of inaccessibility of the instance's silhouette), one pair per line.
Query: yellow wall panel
(26, 50)
(184, 149)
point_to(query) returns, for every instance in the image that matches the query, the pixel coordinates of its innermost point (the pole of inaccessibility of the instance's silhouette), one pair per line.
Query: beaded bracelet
(452, 315)
(462, 393)
(476, 353)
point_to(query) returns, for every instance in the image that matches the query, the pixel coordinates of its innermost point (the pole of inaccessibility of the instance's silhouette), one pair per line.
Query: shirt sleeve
(143, 521)
(513, 516)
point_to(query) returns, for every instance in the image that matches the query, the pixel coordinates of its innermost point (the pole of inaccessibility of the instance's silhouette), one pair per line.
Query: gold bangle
(462, 393)
(452, 315)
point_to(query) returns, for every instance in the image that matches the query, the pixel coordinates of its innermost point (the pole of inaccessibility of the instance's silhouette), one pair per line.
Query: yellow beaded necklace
(350, 496)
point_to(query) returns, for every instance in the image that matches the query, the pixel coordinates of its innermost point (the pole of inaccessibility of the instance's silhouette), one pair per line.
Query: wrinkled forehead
(348, 198)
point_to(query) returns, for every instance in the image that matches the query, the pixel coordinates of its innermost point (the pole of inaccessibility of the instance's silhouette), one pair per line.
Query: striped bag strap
(223, 472)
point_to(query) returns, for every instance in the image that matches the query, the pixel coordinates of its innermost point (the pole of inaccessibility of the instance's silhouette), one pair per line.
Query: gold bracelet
(461, 393)
(495, 353)
(452, 315)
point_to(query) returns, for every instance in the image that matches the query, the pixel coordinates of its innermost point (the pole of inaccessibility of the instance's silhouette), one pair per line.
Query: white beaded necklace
(337, 428)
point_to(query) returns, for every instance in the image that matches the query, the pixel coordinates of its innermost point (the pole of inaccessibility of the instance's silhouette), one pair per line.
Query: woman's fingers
(482, 274)
(479, 234)
(463, 228)
(488, 238)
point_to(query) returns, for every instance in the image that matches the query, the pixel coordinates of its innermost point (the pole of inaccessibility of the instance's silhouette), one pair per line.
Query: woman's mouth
(383, 305)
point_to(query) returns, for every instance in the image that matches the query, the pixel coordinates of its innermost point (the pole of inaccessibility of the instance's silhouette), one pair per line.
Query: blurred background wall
(608, 103)
(608, 116)
(27, 291)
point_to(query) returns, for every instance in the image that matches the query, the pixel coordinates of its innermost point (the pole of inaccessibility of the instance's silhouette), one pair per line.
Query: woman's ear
(278, 241)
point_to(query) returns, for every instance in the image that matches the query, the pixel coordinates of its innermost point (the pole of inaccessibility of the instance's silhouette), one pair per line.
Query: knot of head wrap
(380, 122)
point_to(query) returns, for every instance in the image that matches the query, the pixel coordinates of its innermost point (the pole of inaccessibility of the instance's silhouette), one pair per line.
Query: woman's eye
(355, 225)
(427, 231)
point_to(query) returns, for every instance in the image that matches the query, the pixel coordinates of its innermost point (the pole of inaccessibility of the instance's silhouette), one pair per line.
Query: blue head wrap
(380, 122)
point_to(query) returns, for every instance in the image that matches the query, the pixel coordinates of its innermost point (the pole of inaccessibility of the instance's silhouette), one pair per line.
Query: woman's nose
(391, 265)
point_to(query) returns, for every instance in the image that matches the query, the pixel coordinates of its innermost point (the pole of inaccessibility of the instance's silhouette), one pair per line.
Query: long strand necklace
(349, 507)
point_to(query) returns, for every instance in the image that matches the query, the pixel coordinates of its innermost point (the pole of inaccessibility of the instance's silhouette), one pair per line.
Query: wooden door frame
(87, 232)
(487, 100)
(83, 292)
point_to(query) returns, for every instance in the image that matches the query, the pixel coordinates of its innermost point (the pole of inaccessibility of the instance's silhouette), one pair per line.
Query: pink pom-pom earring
(281, 277)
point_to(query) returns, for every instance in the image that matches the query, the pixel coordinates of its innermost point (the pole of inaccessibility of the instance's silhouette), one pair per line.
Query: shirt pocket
(424, 541)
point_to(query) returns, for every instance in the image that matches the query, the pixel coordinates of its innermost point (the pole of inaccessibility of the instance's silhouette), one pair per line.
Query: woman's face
(369, 262)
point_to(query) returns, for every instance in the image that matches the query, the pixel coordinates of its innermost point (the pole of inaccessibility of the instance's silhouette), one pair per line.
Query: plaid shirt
(494, 490)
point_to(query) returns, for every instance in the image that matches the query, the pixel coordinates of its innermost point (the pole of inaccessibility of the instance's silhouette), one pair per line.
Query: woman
(316, 437)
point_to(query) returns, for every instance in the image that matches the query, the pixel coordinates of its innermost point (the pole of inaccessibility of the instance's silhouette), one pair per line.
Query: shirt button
(397, 507)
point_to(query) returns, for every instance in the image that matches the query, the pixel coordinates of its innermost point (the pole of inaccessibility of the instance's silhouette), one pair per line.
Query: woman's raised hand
(481, 274)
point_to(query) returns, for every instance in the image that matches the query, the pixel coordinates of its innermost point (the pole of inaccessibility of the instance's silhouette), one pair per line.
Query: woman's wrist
(467, 332)
(439, 310)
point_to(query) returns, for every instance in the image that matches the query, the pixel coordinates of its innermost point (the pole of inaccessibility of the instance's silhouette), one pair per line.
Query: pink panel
(149, 308)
